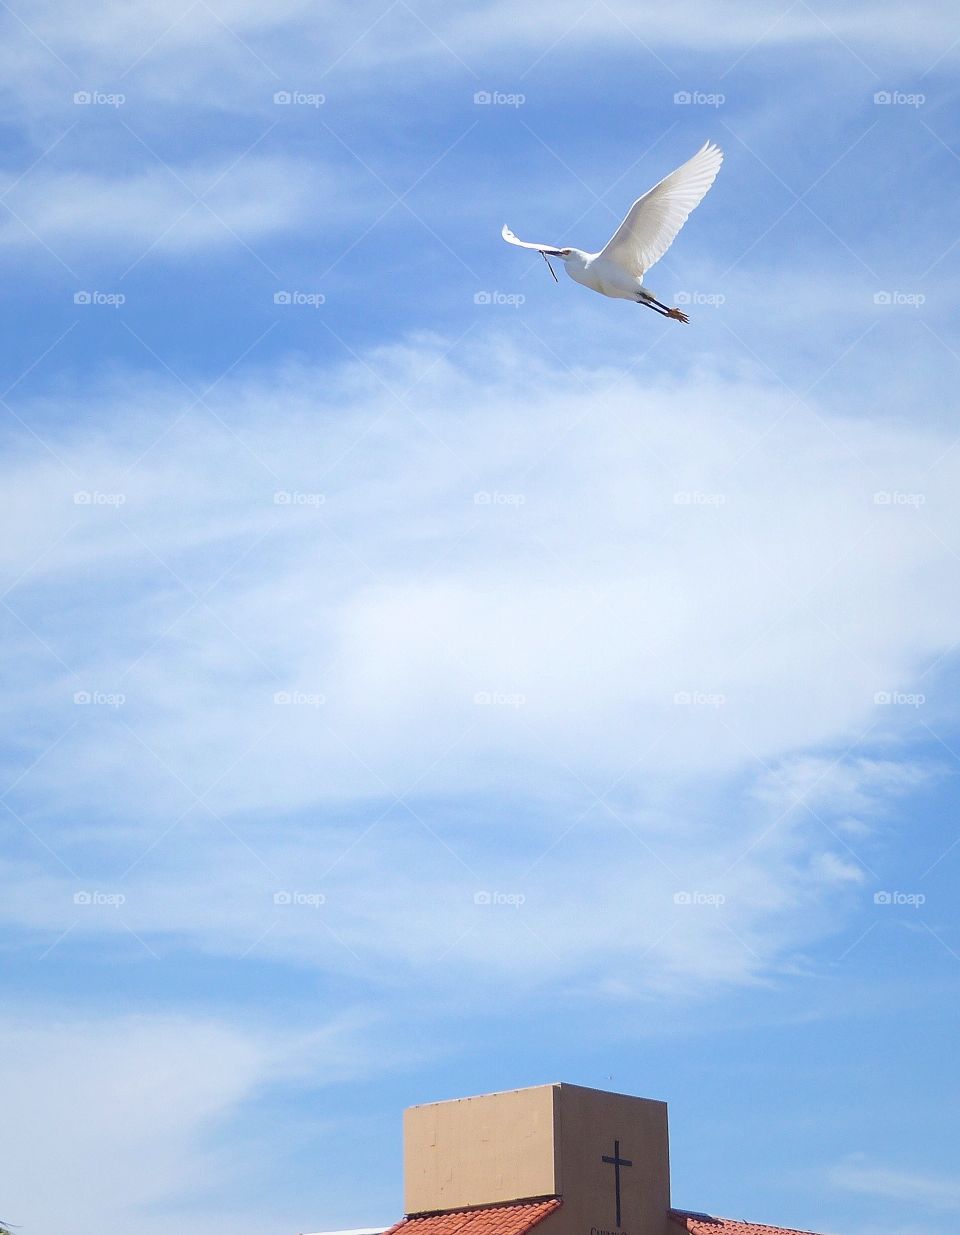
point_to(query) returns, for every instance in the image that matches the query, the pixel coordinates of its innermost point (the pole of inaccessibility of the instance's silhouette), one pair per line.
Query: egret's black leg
(662, 309)
(652, 303)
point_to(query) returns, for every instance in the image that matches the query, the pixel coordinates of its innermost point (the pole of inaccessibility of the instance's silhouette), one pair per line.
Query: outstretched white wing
(653, 220)
(508, 235)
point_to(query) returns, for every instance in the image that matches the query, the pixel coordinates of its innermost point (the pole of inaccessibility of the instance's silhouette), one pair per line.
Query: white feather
(508, 235)
(653, 220)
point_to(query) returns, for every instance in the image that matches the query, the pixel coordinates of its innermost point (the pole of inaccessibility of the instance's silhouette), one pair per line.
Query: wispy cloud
(119, 1120)
(858, 1174)
(231, 56)
(177, 208)
(354, 609)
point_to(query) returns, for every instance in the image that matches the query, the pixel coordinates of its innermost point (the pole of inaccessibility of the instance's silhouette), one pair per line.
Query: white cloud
(372, 32)
(159, 207)
(859, 785)
(598, 625)
(857, 1174)
(232, 55)
(704, 24)
(121, 1121)
(831, 867)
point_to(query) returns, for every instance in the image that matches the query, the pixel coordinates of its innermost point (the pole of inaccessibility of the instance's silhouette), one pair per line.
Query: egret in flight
(642, 238)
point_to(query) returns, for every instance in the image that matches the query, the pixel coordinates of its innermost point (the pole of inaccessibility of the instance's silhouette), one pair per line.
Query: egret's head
(564, 254)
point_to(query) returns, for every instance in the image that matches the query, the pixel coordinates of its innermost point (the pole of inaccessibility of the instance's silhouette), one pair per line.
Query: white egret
(642, 238)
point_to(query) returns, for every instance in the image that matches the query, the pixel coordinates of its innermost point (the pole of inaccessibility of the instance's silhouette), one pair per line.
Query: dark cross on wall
(617, 1162)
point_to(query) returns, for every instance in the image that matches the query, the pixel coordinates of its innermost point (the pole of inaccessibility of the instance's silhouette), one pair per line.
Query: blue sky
(449, 680)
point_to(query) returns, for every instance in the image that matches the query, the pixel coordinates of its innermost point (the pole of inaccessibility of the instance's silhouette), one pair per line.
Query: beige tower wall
(547, 1141)
(591, 1123)
(480, 1151)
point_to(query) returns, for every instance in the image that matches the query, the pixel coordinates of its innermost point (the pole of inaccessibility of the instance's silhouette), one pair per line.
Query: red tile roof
(490, 1220)
(707, 1224)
